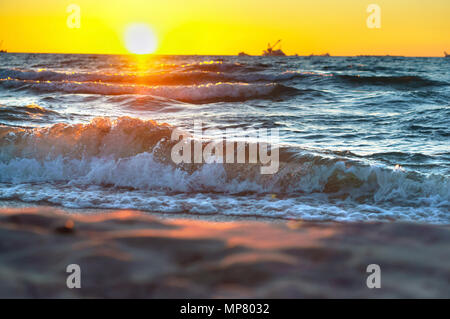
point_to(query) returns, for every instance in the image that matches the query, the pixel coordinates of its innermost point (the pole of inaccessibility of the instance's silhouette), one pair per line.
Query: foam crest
(107, 158)
(130, 152)
(101, 137)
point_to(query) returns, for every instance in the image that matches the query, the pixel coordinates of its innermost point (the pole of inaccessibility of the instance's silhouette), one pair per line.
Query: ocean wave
(206, 93)
(280, 76)
(165, 74)
(220, 66)
(153, 78)
(174, 77)
(407, 80)
(31, 112)
(102, 137)
(135, 154)
(197, 74)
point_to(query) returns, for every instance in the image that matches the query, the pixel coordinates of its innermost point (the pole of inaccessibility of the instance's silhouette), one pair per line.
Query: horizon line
(250, 55)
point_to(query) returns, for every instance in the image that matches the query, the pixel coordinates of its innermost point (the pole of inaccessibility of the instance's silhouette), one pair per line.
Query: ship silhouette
(271, 52)
(1, 50)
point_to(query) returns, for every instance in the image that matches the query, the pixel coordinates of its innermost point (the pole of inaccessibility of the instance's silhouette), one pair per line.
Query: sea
(360, 138)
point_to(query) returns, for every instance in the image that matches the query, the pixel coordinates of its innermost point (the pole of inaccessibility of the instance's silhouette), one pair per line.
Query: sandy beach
(223, 154)
(128, 254)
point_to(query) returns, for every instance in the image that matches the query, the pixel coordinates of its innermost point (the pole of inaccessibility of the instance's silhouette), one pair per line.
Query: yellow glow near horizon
(140, 39)
(408, 27)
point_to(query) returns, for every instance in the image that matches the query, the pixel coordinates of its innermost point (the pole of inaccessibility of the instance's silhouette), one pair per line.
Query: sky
(408, 27)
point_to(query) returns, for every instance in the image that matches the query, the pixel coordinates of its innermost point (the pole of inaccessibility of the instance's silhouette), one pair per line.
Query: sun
(140, 39)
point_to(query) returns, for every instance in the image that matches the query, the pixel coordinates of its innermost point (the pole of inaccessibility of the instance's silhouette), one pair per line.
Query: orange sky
(408, 27)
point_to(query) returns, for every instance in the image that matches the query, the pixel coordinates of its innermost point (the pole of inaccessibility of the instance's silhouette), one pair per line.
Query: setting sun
(140, 39)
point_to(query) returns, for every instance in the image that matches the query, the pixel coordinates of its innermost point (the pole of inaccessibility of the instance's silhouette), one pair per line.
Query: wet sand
(125, 254)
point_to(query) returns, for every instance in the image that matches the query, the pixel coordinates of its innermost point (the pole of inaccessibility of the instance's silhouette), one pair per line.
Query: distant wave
(411, 81)
(184, 77)
(214, 73)
(169, 74)
(31, 112)
(218, 66)
(216, 92)
(154, 78)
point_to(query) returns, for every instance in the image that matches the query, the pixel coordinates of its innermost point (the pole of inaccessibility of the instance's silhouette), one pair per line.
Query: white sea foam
(127, 152)
(142, 182)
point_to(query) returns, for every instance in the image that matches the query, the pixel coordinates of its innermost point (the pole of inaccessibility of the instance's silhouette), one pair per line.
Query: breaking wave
(134, 154)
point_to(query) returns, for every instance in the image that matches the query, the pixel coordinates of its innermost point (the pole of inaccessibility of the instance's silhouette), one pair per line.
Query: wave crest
(207, 93)
(133, 153)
